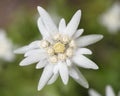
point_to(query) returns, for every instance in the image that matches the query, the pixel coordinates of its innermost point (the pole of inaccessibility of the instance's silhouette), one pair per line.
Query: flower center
(59, 47)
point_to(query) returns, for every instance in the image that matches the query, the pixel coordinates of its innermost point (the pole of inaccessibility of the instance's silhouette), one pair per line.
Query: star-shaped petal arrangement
(60, 51)
(109, 92)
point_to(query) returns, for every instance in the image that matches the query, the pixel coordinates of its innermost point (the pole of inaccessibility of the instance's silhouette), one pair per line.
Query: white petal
(47, 73)
(21, 50)
(84, 62)
(73, 24)
(68, 62)
(73, 73)
(78, 33)
(83, 51)
(62, 26)
(78, 77)
(63, 72)
(53, 78)
(30, 60)
(88, 40)
(42, 29)
(33, 45)
(93, 93)
(41, 64)
(56, 69)
(49, 24)
(35, 51)
(109, 91)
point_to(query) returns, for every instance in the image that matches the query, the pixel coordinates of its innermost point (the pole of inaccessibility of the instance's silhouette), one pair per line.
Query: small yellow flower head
(50, 51)
(59, 47)
(62, 56)
(53, 59)
(44, 44)
(69, 52)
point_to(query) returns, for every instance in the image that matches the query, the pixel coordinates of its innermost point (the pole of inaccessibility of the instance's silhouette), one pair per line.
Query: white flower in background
(6, 52)
(111, 18)
(60, 51)
(109, 92)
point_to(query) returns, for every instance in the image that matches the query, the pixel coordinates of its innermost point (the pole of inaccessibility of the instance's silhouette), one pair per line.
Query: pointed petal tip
(37, 67)
(21, 64)
(101, 36)
(65, 83)
(18, 51)
(86, 86)
(40, 9)
(39, 88)
(82, 29)
(63, 20)
(79, 11)
(96, 67)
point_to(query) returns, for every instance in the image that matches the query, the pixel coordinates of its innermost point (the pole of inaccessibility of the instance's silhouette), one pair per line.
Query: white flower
(109, 92)
(111, 18)
(60, 51)
(6, 46)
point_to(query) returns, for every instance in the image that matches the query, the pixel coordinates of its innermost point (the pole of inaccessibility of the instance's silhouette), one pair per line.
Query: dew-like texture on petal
(109, 91)
(93, 93)
(78, 77)
(63, 70)
(41, 64)
(30, 60)
(62, 26)
(46, 75)
(49, 24)
(83, 51)
(44, 32)
(53, 78)
(88, 40)
(73, 24)
(78, 33)
(84, 62)
(33, 45)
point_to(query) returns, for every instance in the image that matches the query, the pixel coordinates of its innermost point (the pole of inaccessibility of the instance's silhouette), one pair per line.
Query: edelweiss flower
(109, 92)
(111, 18)
(5, 47)
(60, 50)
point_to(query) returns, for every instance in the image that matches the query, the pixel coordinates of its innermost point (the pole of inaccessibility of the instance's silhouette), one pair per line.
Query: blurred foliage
(23, 81)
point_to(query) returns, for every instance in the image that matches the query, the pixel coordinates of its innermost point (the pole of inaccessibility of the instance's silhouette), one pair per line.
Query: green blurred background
(19, 19)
